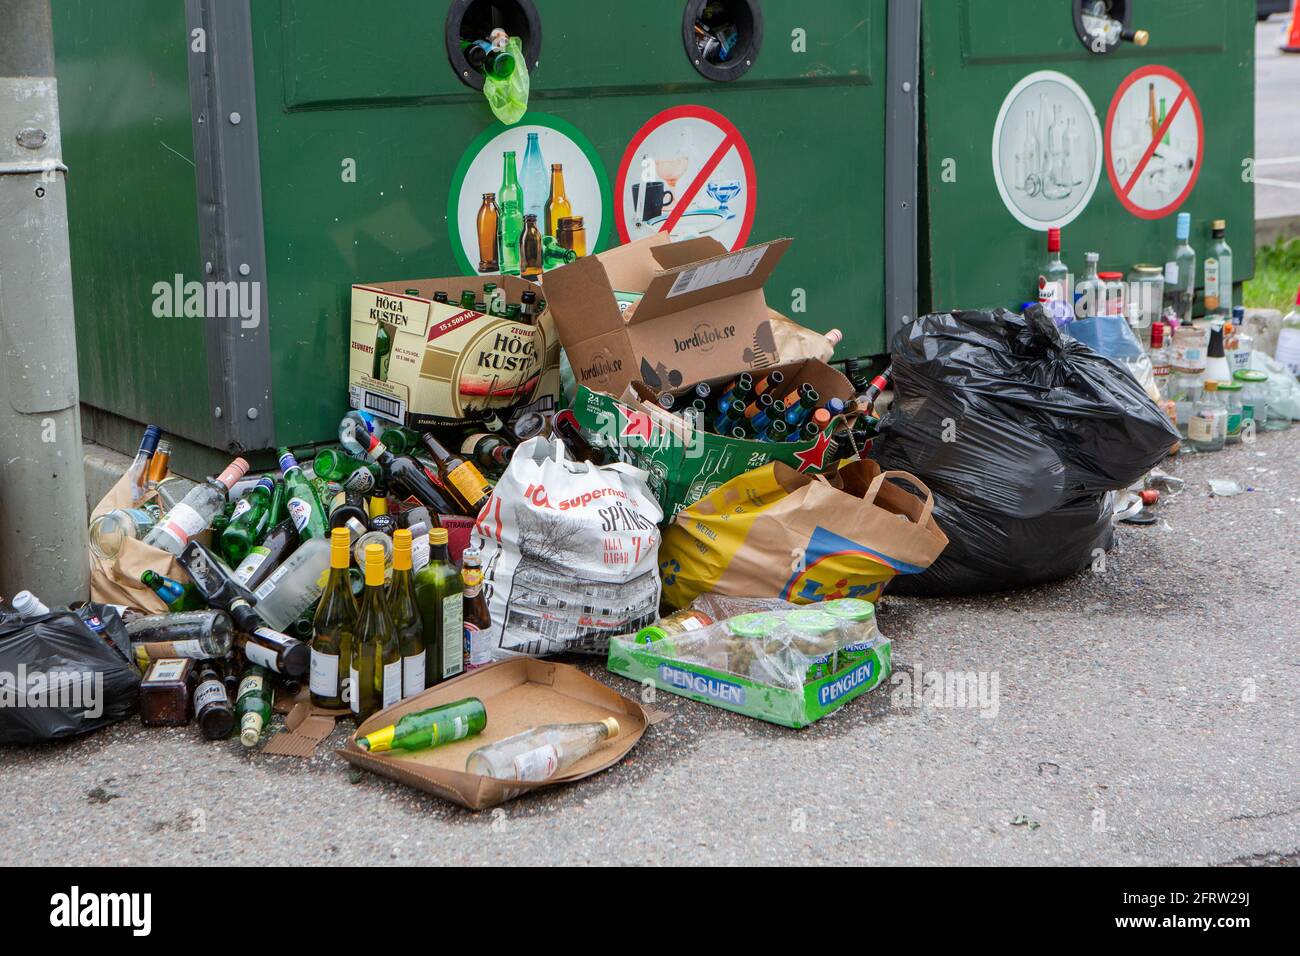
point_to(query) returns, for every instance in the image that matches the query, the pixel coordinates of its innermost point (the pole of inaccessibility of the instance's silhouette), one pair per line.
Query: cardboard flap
(683, 253)
(702, 282)
(629, 267)
(581, 301)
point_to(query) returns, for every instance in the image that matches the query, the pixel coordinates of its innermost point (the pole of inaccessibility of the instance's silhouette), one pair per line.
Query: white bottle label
(1200, 428)
(537, 764)
(324, 680)
(269, 585)
(258, 654)
(248, 567)
(184, 522)
(300, 512)
(480, 645)
(189, 649)
(419, 553)
(412, 674)
(1288, 349)
(453, 635)
(392, 683)
(243, 507)
(1171, 273)
(359, 481)
(209, 692)
(354, 700)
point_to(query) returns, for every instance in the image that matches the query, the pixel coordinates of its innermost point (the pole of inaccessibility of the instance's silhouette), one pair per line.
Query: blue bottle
(535, 182)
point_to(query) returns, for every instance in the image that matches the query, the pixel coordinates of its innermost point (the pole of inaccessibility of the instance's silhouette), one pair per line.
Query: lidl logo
(836, 567)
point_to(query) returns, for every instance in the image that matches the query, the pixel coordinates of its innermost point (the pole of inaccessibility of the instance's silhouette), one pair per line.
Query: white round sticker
(1046, 150)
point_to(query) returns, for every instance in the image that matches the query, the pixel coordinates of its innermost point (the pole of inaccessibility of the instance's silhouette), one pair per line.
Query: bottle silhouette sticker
(1046, 150)
(1155, 140)
(544, 167)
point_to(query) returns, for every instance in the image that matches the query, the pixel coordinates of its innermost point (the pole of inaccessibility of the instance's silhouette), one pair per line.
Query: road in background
(1277, 132)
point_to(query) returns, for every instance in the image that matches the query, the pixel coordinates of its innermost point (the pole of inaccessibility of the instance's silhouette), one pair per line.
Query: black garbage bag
(1021, 434)
(64, 673)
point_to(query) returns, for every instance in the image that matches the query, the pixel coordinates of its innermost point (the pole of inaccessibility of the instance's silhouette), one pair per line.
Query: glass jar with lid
(1230, 396)
(1254, 396)
(1146, 287)
(1208, 428)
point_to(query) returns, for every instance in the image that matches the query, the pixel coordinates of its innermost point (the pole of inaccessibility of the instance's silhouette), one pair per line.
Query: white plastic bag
(570, 553)
(1283, 388)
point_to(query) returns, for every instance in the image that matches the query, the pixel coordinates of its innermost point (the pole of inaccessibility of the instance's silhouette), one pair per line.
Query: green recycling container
(1040, 114)
(235, 166)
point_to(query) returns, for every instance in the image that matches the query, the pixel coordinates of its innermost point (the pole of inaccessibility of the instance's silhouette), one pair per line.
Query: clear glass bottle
(109, 530)
(295, 585)
(191, 516)
(1218, 272)
(333, 628)
(1054, 282)
(376, 658)
(138, 473)
(406, 615)
(1160, 359)
(1208, 428)
(542, 752)
(1180, 270)
(1090, 294)
(1288, 339)
(1230, 394)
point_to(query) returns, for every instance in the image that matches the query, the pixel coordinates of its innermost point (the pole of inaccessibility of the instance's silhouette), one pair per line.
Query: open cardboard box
(701, 312)
(517, 694)
(448, 364)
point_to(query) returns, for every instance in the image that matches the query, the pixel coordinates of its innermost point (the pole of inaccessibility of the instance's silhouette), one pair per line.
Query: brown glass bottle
(557, 204)
(488, 218)
(530, 249)
(460, 477)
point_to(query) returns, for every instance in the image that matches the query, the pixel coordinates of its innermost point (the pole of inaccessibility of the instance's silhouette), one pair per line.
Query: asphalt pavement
(1141, 713)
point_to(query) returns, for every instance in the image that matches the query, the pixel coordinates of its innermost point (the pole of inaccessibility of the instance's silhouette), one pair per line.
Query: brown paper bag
(118, 581)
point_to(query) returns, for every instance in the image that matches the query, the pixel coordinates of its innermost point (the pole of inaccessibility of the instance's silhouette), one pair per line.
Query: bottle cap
(341, 547)
(1211, 386)
(1053, 239)
(437, 536)
(1157, 335)
(1184, 227)
(234, 471)
(402, 549)
(611, 727)
(835, 337)
(374, 564)
(149, 442)
(1219, 224)
(1092, 256)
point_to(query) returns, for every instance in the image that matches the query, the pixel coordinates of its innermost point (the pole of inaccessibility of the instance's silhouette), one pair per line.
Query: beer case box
(789, 707)
(447, 364)
(685, 464)
(518, 694)
(665, 313)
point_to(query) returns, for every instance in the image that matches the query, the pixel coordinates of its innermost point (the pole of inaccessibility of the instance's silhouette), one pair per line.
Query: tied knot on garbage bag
(1022, 435)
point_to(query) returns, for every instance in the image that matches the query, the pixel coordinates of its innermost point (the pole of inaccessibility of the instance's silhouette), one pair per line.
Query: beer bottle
(467, 298)
(304, 507)
(487, 233)
(344, 506)
(439, 593)
(253, 704)
(248, 522)
(424, 729)
(352, 473)
(275, 651)
(477, 618)
(528, 307)
(263, 559)
(376, 678)
(460, 477)
(178, 597)
(737, 391)
(510, 204)
(383, 352)
(557, 204)
(866, 401)
(159, 464)
(212, 710)
(531, 261)
(540, 752)
(406, 615)
(333, 628)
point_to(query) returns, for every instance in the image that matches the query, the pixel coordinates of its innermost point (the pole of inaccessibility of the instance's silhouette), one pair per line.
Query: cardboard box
(701, 312)
(685, 465)
(859, 673)
(447, 364)
(517, 694)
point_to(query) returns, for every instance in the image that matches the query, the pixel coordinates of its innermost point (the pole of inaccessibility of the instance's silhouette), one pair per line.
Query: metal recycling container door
(1037, 116)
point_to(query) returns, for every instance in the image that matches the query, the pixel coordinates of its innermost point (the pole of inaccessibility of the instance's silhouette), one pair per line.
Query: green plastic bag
(508, 98)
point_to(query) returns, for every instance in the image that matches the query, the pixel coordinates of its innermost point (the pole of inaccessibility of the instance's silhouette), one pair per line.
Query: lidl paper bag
(569, 552)
(774, 532)
(117, 581)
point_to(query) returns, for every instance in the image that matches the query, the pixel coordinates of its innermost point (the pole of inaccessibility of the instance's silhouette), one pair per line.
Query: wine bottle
(344, 506)
(465, 482)
(406, 475)
(430, 728)
(333, 628)
(197, 635)
(295, 585)
(264, 558)
(253, 704)
(439, 593)
(406, 616)
(542, 752)
(192, 515)
(376, 678)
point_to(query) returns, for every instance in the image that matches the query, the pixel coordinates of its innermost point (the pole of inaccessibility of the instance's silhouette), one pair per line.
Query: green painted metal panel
(975, 253)
(124, 104)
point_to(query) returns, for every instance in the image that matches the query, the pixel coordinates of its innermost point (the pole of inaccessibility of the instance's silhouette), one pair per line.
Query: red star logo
(815, 457)
(638, 423)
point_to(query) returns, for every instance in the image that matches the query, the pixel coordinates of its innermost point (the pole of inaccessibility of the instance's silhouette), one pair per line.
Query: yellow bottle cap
(1141, 37)
(340, 548)
(402, 549)
(438, 536)
(378, 741)
(611, 727)
(374, 565)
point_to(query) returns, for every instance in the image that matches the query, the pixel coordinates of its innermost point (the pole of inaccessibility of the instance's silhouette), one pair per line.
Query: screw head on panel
(235, 119)
(216, 412)
(252, 413)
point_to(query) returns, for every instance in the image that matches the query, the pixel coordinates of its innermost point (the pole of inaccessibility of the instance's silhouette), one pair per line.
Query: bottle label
(324, 680)
(453, 635)
(359, 481)
(354, 698)
(209, 692)
(188, 649)
(392, 683)
(300, 512)
(241, 508)
(412, 674)
(257, 654)
(266, 587)
(184, 522)
(480, 645)
(537, 764)
(1171, 273)
(165, 671)
(251, 721)
(1200, 428)
(1211, 283)
(419, 552)
(1288, 349)
(469, 482)
(1234, 424)
(248, 567)
(252, 684)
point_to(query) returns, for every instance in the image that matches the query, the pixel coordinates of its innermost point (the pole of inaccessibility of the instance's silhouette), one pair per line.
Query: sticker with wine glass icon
(527, 198)
(687, 172)
(1046, 150)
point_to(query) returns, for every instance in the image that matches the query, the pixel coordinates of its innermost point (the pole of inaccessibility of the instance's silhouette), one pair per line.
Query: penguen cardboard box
(446, 364)
(517, 694)
(701, 312)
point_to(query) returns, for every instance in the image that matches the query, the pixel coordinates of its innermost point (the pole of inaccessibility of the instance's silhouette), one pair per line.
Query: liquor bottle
(557, 205)
(287, 656)
(333, 628)
(295, 585)
(178, 597)
(1160, 359)
(354, 427)
(475, 613)
(109, 530)
(262, 559)
(196, 635)
(344, 507)
(383, 352)
(491, 453)
(1180, 270)
(534, 179)
(191, 516)
(378, 518)
(460, 477)
(253, 704)
(29, 606)
(406, 615)
(159, 465)
(527, 307)
(212, 710)
(164, 695)
(1288, 339)
(531, 259)
(439, 592)
(511, 205)
(542, 752)
(1218, 272)
(248, 522)
(352, 473)
(430, 728)
(376, 669)
(866, 401)
(1054, 281)
(304, 507)
(406, 476)
(138, 474)
(487, 224)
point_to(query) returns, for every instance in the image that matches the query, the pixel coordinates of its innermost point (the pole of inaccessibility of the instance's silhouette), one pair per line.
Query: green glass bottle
(400, 441)
(352, 473)
(425, 729)
(383, 352)
(253, 703)
(278, 510)
(333, 628)
(439, 592)
(406, 616)
(376, 678)
(510, 200)
(248, 522)
(303, 505)
(178, 597)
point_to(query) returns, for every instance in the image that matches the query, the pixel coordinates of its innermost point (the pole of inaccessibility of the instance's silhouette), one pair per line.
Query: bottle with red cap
(1161, 358)
(1054, 282)
(193, 514)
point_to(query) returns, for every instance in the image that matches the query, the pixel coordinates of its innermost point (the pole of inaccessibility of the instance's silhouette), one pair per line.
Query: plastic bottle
(295, 584)
(28, 605)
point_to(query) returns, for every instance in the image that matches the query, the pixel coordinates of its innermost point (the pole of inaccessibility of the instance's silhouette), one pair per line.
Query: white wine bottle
(541, 752)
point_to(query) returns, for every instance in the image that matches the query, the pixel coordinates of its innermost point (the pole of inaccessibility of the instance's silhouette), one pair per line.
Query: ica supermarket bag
(569, 553)
(774, 532)
(115, 579)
